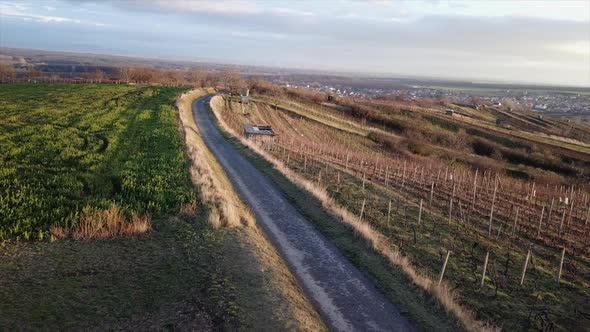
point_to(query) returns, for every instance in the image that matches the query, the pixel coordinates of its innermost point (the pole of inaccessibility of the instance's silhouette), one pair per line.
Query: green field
(66, 147)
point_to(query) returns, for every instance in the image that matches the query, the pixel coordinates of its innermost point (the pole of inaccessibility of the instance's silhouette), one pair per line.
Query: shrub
(484, 147)
(387, 143)
(104, 223)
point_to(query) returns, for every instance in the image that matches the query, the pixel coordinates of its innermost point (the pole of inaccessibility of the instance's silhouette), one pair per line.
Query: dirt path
(346, 299)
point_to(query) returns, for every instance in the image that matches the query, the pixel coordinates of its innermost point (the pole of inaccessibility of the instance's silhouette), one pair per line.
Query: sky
(520, 41)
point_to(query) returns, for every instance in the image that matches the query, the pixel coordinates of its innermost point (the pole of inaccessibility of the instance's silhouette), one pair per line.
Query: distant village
(534, 100)
(34, 66)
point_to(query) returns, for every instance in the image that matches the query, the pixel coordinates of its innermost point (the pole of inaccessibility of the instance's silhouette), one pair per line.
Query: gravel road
(344, 296)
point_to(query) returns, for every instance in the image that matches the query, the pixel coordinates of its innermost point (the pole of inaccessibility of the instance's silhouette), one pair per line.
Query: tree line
(198, 76)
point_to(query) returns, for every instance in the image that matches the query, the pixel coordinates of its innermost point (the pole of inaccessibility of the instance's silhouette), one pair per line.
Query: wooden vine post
(346, 165)
(526, 263)
(431, 193)
(474, 190)
(444, 267)
(560, 265)
(562, 220)
(419, 212)
(388, 213)
(540, 222)
(362, 209)
(485, 267)
(451, 205)
(550, 210)
(404, 175)
(492, 208)
(515, 220)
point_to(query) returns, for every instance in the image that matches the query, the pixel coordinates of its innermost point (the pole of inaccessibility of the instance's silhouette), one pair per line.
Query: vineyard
(70, 150)
(516, 251)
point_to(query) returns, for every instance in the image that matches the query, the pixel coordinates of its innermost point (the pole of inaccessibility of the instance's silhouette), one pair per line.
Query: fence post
(404, 175)
(515, 220)
(560, 265)
(362, 209)
(562, 220)
(526, 263)
(540, 221)
(485, 266)
(492, 208)
(363, 181)
(451, 205)
(550, 210)
(388, 213)
(419, 212)
(444, 267)
(431, 193)
(474, 189)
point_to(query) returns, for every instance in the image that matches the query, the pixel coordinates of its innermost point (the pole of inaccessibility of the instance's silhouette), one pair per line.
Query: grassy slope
(71, 146)
(419, 307)
(539, 303)
(184, 275)
(521, 142)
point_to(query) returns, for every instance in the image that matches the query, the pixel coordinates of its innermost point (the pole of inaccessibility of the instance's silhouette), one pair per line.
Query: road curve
(345, 298)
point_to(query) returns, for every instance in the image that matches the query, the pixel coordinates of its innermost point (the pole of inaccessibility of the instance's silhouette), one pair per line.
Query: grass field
(68, 147)
(183, 275)
(74, 148)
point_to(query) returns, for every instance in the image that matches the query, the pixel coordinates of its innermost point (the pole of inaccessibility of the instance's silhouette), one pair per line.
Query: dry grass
(207, 174)
(103, 224)
(444, 296)
(189, 209)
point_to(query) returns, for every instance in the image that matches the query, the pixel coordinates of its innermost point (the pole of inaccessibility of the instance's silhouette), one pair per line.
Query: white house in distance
(539, 107)
(245, 98)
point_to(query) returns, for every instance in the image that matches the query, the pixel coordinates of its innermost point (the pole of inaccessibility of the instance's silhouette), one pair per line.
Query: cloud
(222, 7)
(443, 38)
(20, 11)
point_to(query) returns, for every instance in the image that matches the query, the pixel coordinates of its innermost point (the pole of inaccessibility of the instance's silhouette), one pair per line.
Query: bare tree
(231, 79)
(142, 74)
(197, 76)
(97, 76)
(124, 74)
(211, 80)
(172, 77)
(7, 73)
(34, 73)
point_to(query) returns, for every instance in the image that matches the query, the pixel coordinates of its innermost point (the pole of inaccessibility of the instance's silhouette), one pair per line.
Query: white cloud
(225, 7)
(579, 47)
(23, 12)
(472, 39)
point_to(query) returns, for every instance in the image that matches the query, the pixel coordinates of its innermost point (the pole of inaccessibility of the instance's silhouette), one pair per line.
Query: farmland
(70, 151)
(420, 184)
(67, 148)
